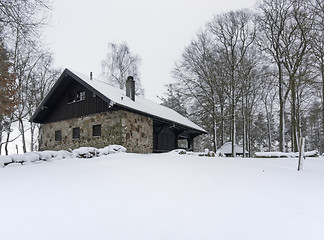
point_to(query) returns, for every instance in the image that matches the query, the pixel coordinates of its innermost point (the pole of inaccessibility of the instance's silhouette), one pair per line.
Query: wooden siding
(61, 109)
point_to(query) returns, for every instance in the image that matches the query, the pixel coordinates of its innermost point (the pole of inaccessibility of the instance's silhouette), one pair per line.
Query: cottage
(82, 111)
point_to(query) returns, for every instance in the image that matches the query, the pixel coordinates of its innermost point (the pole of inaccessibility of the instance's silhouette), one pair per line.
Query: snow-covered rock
(32, 156)
(62, 154)
(4, 160)
(313, 153)
(208, 153)
(112, 149)
(179, 151)
(85, 152)
(45, 155)
(82, 152)
(19, 158)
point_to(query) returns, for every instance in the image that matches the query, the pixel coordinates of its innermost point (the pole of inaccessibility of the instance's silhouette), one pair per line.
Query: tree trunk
(32, 136)
(7, 141)
(249, 130)
(281, 112)
(294, 146)
(268, 115)
(322, 101)
(243, 125)
(233, 126)
(214, 131)
(1, 142)
(269, 135)
(22, 131)
(222, 122)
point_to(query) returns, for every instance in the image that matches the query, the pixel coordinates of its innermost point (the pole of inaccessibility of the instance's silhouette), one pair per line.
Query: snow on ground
(163, 196)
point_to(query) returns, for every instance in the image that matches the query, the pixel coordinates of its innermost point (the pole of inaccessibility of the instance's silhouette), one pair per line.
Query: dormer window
(76, 97)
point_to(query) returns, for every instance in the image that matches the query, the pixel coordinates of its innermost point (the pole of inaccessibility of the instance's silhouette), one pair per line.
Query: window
(76, 97)
(76, 133)
(96, 130)
(80, 96)
(58, 135)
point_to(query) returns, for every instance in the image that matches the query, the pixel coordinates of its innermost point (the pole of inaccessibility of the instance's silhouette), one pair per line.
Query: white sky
(158, 31)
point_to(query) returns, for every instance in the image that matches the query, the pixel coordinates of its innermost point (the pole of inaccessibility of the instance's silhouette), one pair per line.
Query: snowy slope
(163, 196)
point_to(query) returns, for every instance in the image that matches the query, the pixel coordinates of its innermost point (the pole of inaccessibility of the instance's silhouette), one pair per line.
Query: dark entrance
(166, 136)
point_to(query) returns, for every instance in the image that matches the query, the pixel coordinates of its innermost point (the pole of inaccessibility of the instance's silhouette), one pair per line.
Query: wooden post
(190, 144)
(301, 153)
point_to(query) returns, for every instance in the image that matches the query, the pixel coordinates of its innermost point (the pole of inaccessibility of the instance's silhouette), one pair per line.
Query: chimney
(90, 75)
(130, 88)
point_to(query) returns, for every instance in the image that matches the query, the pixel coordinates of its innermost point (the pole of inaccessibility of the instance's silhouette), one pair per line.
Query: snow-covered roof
(142, 105)
(227, 148)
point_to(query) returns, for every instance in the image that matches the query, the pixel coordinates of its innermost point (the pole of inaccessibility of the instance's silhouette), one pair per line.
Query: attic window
(76, 97)
(80, 96)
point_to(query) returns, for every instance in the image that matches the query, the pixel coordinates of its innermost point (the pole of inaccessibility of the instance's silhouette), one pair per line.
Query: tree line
(256, 77)
(26, 69)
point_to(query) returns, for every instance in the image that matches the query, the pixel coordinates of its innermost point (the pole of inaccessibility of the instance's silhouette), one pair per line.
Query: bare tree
(44, 76)
(175, 99)
(24, 16)
(199, 74)
(20, 25)
(268, 97)
(119, 64)
(318, 46)
(235, 32)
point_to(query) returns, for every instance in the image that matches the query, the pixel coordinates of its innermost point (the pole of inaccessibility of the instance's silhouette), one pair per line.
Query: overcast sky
(158, 31)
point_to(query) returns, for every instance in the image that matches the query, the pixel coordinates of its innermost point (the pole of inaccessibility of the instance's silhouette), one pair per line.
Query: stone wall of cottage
(137, 132)
(131, 130)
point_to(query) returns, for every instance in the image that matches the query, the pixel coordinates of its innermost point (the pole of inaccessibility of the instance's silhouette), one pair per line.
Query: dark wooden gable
(61, 106)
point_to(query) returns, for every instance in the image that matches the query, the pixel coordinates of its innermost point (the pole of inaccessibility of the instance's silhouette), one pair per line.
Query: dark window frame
(96, 130)
(58, 135)
(76, 133)
(76, 97)
(80, 96)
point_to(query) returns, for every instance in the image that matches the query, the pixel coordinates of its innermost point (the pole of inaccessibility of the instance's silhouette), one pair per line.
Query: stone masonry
(131, 130)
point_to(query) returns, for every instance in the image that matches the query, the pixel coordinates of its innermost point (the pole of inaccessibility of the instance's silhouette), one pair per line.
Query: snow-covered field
(163, 196)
